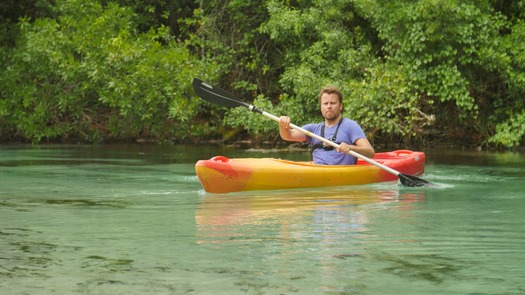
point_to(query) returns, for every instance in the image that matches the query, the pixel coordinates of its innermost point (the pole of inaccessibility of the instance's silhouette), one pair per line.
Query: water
(135, 220)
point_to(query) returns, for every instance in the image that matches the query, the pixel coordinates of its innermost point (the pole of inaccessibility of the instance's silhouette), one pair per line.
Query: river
(134, 219)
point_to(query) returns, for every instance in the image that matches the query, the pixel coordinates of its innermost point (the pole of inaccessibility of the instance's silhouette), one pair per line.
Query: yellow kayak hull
(224, 175)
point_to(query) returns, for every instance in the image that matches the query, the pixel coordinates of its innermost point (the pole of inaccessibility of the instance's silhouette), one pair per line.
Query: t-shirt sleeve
(356, 132)
(311, 128)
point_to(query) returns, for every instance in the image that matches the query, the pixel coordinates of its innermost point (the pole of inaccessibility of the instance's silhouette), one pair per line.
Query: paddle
(218, 96)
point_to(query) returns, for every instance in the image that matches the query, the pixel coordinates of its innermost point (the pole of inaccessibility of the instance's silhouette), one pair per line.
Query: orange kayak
(224, 175)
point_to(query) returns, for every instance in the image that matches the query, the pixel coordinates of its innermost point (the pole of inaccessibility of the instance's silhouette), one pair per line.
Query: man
(347, 133)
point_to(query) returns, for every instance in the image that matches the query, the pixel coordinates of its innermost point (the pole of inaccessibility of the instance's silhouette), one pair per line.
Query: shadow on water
(117, 154)
(87, 203)
(432, 268)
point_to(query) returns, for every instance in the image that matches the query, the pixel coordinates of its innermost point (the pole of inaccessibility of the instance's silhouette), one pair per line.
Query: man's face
(330, 106)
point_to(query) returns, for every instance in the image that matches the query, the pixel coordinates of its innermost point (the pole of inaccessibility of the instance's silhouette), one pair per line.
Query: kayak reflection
(295, 214)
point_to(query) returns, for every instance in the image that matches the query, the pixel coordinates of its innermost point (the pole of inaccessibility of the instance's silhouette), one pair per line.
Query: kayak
(225, 175)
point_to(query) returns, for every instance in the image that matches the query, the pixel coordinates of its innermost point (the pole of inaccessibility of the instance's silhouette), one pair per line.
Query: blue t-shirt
(349, 132)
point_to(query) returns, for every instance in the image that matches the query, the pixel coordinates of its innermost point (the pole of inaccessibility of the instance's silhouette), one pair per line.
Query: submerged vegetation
(413, 72)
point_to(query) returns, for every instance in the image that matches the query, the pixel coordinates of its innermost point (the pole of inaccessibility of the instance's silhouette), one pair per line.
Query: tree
(412, 70)
(333, 42)
(88, 75)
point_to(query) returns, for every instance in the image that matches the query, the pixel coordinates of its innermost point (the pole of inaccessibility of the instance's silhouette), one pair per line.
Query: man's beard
(332, 116)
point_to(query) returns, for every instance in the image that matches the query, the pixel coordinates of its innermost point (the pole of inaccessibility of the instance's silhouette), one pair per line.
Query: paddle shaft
(329, 142)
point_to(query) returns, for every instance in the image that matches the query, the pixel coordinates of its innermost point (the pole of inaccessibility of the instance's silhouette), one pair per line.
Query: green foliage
(509, 112)
(402, 64)
(158, 13)
(88, 75)
(444, 47)
(410, 71)
(460, 62)
(386, 103)
(331, 44)
(511, 132)
(253, 123)
(227, 30)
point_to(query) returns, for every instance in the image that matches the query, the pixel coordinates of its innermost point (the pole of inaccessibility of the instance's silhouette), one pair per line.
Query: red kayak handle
(220, 159)
(402, 152)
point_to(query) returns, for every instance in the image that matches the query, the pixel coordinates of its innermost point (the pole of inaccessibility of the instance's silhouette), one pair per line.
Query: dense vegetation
(413, 72)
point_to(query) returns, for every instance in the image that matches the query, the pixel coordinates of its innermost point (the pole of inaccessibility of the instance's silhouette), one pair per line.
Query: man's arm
(362, 146)
(288, 133)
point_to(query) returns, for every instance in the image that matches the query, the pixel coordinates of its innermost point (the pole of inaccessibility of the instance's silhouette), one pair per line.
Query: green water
(135, 220)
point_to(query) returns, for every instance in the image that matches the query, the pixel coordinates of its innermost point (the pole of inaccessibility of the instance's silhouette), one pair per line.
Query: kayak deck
(223, 175)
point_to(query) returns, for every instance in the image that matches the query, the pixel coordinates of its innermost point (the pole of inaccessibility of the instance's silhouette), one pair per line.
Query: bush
(88, 75)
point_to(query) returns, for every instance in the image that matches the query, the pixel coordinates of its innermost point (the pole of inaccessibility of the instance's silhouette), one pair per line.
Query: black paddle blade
(412, 181)
(216, 95)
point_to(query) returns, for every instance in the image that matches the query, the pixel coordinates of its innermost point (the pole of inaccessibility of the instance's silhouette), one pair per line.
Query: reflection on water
(135, 220)
(329, 235)
(337, 209)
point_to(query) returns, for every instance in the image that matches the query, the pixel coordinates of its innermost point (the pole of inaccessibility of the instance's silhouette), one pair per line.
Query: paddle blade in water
(412, 181)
